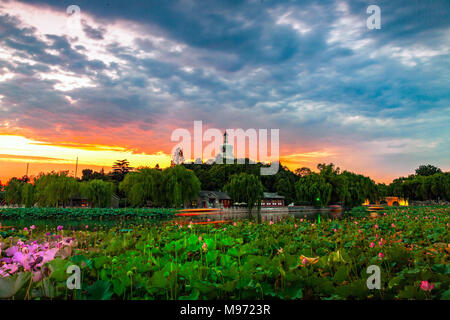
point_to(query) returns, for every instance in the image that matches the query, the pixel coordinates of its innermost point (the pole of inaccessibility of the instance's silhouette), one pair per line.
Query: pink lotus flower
(271, 222)
(426, 286)
(393, 225)
(25, 229)
(372, 244)
(381, 255)
(205, 247)
(304, 261)
(33, 227)
(295, 225)
(376, 226)
(335, 230)
(37, 276)
(234, 224)
(200, 238)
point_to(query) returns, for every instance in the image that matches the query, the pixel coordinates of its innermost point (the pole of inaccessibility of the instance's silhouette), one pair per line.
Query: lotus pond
(293, 258)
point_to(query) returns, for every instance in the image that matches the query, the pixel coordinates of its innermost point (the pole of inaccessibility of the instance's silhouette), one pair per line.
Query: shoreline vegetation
(292, 258)
(143, 252)
(178, 186)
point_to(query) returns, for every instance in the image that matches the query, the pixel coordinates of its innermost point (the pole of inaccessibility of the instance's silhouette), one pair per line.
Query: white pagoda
(226, 156)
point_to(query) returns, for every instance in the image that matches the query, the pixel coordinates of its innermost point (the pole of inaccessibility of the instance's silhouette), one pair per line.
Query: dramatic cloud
(127, 74)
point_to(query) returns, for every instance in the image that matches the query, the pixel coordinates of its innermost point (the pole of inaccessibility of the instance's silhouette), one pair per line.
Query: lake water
(214, 218)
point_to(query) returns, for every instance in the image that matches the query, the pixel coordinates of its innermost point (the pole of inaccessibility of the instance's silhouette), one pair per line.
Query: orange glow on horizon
(16, 151)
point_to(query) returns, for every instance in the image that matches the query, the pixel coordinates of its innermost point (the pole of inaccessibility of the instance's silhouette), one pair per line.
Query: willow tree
(421, 187)
(97, 192)
(339, 182)
(13, 191)
(54, 189)
(440, 185)
(313, 189)
(360, 188)
(27, 194)
(144, 185)
(246, 188)
(182, 186)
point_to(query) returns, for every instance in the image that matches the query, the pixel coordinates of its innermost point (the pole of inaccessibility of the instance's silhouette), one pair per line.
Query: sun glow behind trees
(16, 150)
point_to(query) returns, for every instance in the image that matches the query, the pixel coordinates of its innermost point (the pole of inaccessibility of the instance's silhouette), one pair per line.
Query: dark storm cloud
(309, 67)
(93, 33)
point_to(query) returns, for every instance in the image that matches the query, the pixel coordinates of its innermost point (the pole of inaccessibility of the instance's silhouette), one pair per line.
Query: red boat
(196, 212)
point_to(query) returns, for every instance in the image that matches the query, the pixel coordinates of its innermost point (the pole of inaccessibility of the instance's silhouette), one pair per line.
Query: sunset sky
(115, 80)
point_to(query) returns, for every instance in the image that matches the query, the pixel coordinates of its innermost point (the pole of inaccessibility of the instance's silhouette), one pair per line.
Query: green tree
(28, 195)
(2, 194)
(338, 182)
(313, 189)
(422, 187)
(303, 172)
(55, 189)
(246, 188)
(359, 188)
(143, 186)
(427, 170)
(89, 174)
(284, 184)
(440, 186)
(120, 169)
(13, 191)
(182, 186)
(97, 192)
(382, 191)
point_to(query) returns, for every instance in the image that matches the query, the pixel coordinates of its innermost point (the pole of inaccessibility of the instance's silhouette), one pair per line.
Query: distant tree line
(302, 186)
(428, 183)
(172, 187)
(177, 186)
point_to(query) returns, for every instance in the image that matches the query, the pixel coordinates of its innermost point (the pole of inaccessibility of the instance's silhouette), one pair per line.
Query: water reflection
(216, 217)
(200, 218)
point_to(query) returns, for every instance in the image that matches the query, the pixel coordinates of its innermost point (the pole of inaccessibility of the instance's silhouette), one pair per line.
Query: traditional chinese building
(212, 199)
(272, 200)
